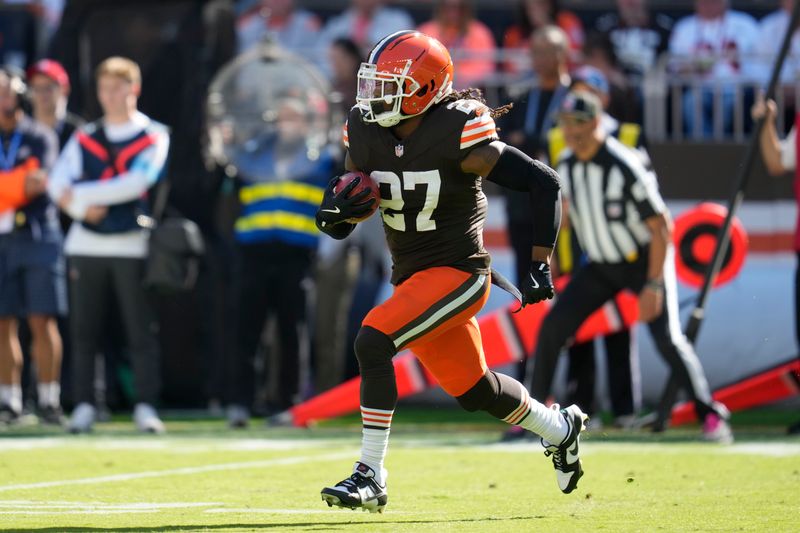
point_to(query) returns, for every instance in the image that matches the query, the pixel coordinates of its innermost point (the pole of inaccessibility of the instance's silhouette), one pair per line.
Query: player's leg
(10, 350)
(589, 288)
(141, 335)
(679, 354)
(89, 285)
(455, 358)
(10, 371)
(289, 293)
(422, 307)
(46, 350)
(46, 299)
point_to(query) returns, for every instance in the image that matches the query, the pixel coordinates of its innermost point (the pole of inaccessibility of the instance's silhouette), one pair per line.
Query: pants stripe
(455, 302)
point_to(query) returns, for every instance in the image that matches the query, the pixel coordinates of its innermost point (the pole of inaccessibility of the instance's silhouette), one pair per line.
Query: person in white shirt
(101, 180)
(771, 29)
(712, 47)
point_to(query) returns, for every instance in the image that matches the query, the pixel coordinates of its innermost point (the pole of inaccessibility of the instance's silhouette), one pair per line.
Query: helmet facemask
(380, 94)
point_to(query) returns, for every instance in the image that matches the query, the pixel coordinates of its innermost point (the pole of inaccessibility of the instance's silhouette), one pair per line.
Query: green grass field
(447, 473)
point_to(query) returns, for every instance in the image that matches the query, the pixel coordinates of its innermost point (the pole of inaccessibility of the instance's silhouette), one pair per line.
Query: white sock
(5, 395)
(49, 394)
(375, 438)
(534, 416)
(11, 395)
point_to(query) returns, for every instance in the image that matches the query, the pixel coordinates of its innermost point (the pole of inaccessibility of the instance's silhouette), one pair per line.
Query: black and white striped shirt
(610, 197)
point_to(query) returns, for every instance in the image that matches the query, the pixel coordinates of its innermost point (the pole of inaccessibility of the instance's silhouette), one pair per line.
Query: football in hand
(366, 183)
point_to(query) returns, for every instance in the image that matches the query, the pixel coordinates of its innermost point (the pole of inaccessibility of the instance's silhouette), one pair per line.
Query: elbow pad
(515, 170)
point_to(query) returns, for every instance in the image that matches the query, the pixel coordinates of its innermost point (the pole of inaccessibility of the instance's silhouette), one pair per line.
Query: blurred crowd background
(272, 317)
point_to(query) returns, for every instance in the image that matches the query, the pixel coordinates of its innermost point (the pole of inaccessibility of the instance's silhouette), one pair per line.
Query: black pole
(723, 237)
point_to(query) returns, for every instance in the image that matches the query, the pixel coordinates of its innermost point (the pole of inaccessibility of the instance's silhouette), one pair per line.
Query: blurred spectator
(49, 88)
(623, 100)
(48, 11)
(345, 58)
(526, 126)
(22, 33)
(366, 22)
(469, 40)
(280, 21)
(340, 265)
(32, 284)
(277, 239)
(711, 47)
(535, 108)
(638, 36)
(532, 15)
(780, 157)
(337, 272)
(772, 28)
(370, 241)
(101, 180)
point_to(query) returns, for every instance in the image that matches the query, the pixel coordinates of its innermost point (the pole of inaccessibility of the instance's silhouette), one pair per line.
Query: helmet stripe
(383, 43)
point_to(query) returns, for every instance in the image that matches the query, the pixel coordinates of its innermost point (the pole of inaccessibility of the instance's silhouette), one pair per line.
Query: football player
(428, 148)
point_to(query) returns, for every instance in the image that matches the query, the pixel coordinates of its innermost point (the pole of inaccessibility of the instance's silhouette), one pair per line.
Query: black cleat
(359, 491)
(8, 416)
(565, 456)
(52, 416)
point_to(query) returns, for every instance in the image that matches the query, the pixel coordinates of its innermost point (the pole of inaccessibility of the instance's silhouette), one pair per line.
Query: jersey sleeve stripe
(345, 138)
(471, 140)
(478, 122)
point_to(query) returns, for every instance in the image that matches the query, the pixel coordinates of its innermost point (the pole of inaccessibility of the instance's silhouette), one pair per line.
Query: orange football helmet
(406, 73)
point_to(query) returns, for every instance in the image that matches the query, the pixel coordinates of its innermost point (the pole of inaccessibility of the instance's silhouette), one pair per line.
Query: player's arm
(771, 148)
(510, 168)
(336, 208)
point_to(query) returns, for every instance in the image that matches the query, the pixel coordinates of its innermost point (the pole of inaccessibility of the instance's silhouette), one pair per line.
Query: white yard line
(181, 445)
(176, 472)
(28, 507)
(31, 504)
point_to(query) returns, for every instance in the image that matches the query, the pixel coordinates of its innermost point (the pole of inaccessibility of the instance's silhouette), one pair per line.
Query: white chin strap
(391, 119)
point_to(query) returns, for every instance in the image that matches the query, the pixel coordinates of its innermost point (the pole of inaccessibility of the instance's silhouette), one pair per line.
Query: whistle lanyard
(7, 159)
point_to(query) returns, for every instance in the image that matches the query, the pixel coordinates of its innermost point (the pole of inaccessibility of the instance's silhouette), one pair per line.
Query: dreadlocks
(476, 94)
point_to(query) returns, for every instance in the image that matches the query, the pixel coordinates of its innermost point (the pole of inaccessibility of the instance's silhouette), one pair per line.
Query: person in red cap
(49, 87)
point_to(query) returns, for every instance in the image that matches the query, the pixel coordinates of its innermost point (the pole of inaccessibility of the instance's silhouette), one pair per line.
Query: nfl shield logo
(398, 150)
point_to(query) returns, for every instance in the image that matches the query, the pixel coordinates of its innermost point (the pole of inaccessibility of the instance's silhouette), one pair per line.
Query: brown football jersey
(433, 212)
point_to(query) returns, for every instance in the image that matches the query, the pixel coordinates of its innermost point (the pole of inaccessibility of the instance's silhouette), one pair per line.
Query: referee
(625, 229)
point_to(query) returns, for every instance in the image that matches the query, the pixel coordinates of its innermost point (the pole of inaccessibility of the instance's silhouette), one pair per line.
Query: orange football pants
(433, 314)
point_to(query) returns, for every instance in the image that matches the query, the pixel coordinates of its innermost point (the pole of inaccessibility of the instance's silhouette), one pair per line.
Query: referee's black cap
(580, 104)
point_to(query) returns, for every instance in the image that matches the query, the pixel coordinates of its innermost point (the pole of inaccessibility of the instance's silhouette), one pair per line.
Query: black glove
(337, 207)
(538, 285)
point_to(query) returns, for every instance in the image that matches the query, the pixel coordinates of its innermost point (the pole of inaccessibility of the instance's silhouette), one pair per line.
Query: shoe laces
(351, 482)
(558, 457)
